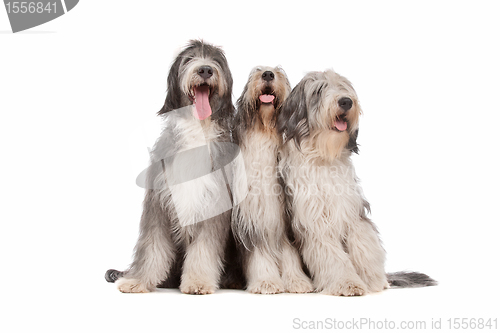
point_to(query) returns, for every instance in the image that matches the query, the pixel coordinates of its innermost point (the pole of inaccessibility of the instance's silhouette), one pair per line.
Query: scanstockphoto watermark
(387, 324)
(265, 181)
(357, 324)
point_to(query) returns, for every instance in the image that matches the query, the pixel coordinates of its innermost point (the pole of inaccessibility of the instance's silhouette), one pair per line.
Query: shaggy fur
(183, 234)
(339, 244)
(271, 264)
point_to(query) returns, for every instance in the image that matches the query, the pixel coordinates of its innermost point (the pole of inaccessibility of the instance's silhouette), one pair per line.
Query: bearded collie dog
(270, 263)
(338, 242)
(186, 220)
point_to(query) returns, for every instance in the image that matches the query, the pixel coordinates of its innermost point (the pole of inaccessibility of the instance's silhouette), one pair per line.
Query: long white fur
(201, 198)
(193, 201)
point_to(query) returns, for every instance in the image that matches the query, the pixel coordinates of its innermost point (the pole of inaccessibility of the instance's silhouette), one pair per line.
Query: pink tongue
(201, 102)
(266, 98)
(340, 125)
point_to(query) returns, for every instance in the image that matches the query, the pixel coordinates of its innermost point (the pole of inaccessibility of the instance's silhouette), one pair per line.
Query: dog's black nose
(345, 103)
(268, 76)
(205, 72)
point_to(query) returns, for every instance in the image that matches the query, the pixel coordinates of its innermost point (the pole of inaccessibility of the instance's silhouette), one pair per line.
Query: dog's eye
(186, 60)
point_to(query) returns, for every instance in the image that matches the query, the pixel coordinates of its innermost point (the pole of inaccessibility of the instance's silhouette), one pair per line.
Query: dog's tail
(410, 280)
(112, 275)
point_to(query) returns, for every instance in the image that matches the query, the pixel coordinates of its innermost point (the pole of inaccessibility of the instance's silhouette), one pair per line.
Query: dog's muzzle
(340, 123)
(267, 95)
(201, 93)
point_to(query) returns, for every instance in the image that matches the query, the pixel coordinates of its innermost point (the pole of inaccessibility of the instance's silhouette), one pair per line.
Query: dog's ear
(225, 110)
(240, 103)
(352, 145)
(245, 112)
(227, 99)
(173, 100)
(292, 120)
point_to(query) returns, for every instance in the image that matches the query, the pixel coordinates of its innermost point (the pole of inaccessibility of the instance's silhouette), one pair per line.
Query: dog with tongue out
(186, 221)
(200, 76)
(339, 244)
(270, 263)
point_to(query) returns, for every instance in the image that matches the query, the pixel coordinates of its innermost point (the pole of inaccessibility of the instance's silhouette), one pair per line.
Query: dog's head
(322, 110)
(263, 96)
(200, 75)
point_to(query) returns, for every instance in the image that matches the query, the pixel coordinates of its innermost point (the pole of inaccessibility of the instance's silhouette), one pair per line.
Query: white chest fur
(325, 195)
(262, 208)
(188, 183)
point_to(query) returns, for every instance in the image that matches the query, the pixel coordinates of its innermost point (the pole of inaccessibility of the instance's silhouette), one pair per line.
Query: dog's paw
(347, 288)
(132, 286)
(197, 288)
(299, 285)
(266, 287)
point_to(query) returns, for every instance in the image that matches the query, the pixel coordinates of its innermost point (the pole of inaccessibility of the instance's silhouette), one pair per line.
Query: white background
(74, 93)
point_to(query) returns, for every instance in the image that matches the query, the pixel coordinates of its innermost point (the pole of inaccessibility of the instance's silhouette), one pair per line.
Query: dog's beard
(267, 114)
(329, 143)
(260, 104)
(268, 99)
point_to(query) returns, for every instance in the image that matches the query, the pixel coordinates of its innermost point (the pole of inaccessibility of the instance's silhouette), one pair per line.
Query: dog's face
(323, 112)
(263, 96)
(268, 86)
(200, 75)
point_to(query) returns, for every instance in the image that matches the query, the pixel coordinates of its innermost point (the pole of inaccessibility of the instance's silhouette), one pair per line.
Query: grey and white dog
(185, 224)
(271, 264)
(338, 242)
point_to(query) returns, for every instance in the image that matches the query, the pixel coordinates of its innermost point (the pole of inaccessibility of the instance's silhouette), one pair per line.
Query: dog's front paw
(132, 286)
(266, 287)
(299, 285)
(347, 288)
(195, 287)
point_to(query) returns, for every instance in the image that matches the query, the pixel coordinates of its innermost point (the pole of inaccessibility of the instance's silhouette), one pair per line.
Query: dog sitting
(270, 263)
(338, 242)
(185, 223)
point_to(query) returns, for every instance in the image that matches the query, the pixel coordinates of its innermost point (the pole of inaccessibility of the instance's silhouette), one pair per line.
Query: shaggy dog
(185, 225)
(271, 264)
(338, 243)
